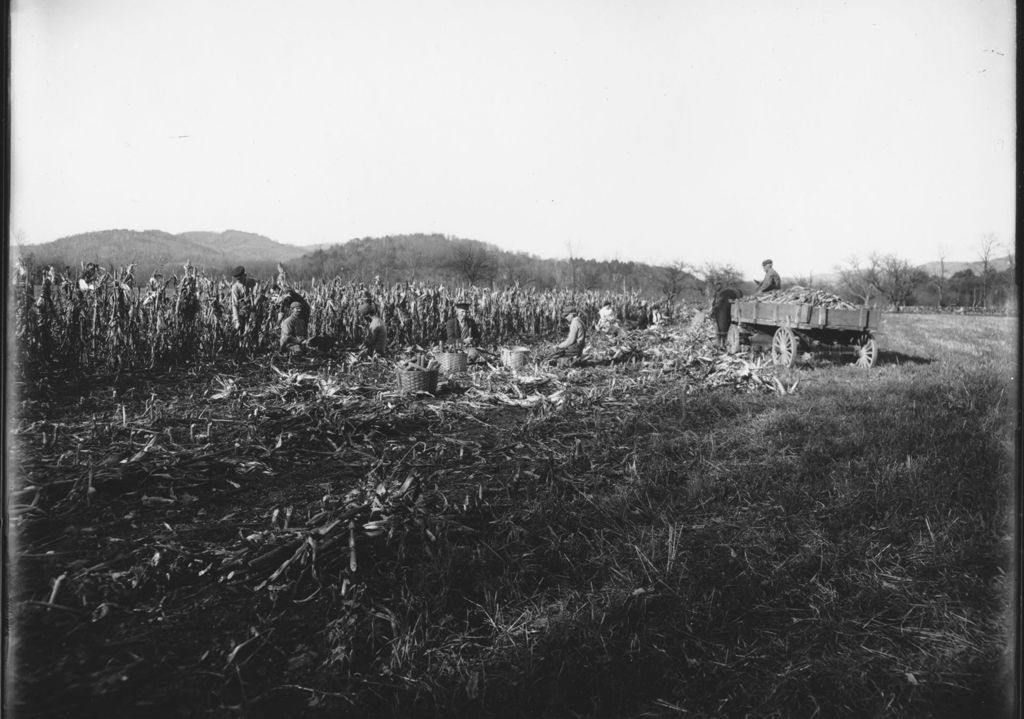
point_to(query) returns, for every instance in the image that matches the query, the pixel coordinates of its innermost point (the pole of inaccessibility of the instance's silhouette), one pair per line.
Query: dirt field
(275, 539)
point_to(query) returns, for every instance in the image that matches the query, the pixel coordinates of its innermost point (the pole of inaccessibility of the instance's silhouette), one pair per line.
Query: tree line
(893, 281)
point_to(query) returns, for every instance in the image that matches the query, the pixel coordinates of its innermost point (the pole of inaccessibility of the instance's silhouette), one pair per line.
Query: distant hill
(998, 264)
(451, 260)
(246, 245)
(155, 250)
(427, 257)
(932, 269)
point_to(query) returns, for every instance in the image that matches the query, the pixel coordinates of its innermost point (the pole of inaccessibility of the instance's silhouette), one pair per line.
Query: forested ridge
(393, 258)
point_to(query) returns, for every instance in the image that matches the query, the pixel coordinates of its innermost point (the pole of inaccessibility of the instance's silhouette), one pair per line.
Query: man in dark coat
(771, 280)
(721, 310)
(463, 331)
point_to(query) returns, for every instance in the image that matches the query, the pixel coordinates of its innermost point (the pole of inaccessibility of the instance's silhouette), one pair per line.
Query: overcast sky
(656, 130)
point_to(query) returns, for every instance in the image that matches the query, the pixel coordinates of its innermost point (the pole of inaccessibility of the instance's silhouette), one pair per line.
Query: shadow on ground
(898, 358)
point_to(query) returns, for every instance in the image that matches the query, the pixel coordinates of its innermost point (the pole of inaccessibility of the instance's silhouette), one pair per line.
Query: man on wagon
(771, 280)
(463, 331)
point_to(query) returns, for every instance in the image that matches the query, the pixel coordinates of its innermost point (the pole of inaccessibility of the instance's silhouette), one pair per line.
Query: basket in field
(516, 357)
(452, 362)
(417, 380)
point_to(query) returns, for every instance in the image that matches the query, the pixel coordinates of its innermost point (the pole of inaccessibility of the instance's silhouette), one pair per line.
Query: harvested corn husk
(806, 296)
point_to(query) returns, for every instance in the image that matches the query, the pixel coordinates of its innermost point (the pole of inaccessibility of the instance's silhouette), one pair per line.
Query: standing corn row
(102, 321)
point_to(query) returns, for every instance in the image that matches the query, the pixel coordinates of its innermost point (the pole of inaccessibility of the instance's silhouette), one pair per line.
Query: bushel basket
(452, 362)
(416, 380)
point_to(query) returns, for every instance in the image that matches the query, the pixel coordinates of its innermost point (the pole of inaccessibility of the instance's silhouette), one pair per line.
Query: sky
(661, 131)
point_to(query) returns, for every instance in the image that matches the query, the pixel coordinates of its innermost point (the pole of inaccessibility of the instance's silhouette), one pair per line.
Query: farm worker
(606, 321)
(293, 330)
(644, 320)
(721, 310)
(155, 293)
(376, 340)
(243, 298)
(657, 316)
(573, 344)
(771, 280)
(462, 330)
(285, 297)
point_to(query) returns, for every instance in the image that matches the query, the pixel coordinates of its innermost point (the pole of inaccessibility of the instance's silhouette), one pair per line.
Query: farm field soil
(251, 540)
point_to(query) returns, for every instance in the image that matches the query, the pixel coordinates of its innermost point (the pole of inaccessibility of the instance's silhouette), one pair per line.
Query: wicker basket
(416, 380)
(452, 362)
(516, 358)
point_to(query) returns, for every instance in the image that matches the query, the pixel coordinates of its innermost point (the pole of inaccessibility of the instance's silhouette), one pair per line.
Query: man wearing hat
(376, 340)
(771, 280)
(463, 331)
(573, 344)
(294, 330)
(283, 297)
(243, 300)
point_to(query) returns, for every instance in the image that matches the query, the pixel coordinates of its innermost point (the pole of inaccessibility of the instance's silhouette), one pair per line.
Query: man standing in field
(721, 311)
(572, 346)
(294, 330)
(771, 280)
(376, 340)
(243, 305)
(463, 331)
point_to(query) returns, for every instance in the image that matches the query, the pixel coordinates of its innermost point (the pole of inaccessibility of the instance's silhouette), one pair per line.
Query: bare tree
(473, 262)
(860, 282)
(720, 275)
(572, 262)
(715, 277)
(986, 250)
(673, 279)
(897, 279)
(941, 283)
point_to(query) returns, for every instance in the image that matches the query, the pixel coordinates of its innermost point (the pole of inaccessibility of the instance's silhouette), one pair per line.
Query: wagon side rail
(804, 316)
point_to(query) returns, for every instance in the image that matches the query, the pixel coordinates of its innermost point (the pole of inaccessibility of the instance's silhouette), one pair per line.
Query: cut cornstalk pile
(806, 296)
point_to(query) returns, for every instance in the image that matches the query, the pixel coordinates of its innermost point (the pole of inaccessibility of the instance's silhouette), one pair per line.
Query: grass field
(639, 545)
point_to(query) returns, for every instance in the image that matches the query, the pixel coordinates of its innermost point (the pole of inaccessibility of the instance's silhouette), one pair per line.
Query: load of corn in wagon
(803, 319)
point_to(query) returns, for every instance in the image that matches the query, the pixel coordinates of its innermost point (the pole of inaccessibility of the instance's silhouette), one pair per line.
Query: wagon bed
(795, 325)
(802, 316)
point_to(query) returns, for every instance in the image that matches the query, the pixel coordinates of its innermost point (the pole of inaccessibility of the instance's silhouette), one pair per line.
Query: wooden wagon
(791, 326)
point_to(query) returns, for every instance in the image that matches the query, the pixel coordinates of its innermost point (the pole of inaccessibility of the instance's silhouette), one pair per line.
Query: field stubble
(641, 547)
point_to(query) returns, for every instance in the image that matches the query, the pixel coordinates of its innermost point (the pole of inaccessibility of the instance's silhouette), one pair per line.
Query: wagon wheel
(732, 340)
(867, 353)
(785, 346)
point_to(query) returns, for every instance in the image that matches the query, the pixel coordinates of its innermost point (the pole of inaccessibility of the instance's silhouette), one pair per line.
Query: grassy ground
(649, 548)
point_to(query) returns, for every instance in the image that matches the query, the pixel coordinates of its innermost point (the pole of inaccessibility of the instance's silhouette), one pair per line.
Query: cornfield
(103, 320)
